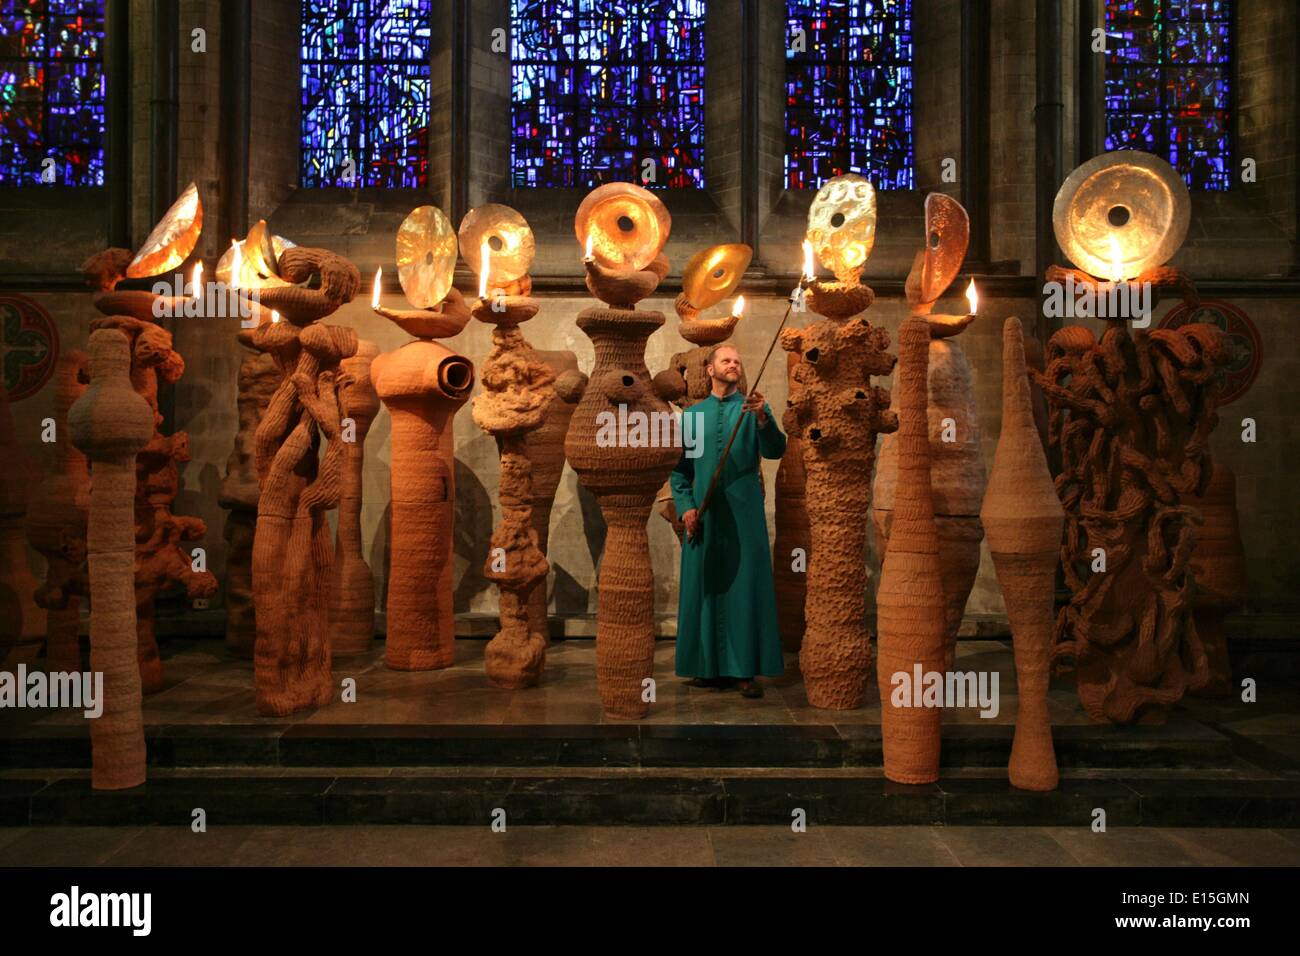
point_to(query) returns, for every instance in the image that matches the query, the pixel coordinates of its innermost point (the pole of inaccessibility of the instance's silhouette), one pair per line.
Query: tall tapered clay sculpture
(352, 591)
(1132, 415)
(836, 413)
(1023, 519)
(956, 471)
(517, 392)
(793, 539)
(423, 384)
(1219, 564)
(56, 524)
(292, 551)
(623, 228)
(110, 424)
(910, 606)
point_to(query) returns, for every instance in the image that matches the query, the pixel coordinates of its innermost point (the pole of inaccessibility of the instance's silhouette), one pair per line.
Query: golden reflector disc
(628, 226)
(712, 274)
(842, 224)
(510, 241)
(426, 256)
(173, 239)
(947, 234)
(1121, 213)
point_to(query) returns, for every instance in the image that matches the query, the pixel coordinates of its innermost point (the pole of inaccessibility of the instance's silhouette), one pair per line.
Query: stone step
(641, 798)
(1181, 743)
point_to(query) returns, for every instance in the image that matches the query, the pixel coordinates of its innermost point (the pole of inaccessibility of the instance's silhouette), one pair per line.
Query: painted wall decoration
(29, 345)
(1247, 345)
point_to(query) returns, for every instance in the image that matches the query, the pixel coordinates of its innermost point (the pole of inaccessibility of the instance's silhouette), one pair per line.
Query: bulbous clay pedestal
(517, 392)
(910, 605)
(352, 590)
(624, 479)
(111, 423)
(792, 535)
(56, 525)
(836, 413)
(1023, 519)
(423, 384)
(259, 377)
(1132, 416)
(1219, 565)
(956, 480)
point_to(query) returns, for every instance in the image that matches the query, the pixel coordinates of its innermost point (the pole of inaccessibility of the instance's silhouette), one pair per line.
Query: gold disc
(947, 234)
(173, 239)
(510, 242)
(712, 274)
(1121, 212)
(842, 224)
(628, 226)
(426, 256)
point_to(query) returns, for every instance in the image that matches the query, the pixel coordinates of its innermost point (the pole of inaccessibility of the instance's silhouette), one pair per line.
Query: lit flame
(196, 283)
(1116, 261)
(739, 307)
(587, 254)
(972, 297)
(485, 259)
(275, 316)
(374, 296)
(809, 269)
(236, 262)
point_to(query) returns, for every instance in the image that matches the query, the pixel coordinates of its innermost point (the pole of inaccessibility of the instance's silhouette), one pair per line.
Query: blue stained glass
(1168, 84)
(600, 86)
(365, 93)
(848, 83)
(51, 92)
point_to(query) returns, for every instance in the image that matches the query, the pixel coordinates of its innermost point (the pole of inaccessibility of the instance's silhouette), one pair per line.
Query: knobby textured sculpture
(956, 471)
(110, 423)
(423, 384)
(292, 551)
(517, 393)
(1023, 519)
(836, 413)
(910, 606)
(623, 267)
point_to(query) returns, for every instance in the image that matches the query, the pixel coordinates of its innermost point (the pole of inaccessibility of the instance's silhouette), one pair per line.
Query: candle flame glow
(196, 282)
(739, 307)
(809, 268)
(587, 255)
(972, 297)
(275, 316)
(485, 259)
(1116, 261)
(374, 296)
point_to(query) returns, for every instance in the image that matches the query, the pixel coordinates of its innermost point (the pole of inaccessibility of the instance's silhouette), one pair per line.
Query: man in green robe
(726, 615)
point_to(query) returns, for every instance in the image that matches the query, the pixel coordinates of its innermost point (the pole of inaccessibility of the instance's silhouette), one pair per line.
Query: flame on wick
(809, 268)
(236, 262)
(1116, 261)
(739, 307)
(374, 296)
(587, 255)
(196, 283)
(972, 297)
(275, 316)
(485, 259)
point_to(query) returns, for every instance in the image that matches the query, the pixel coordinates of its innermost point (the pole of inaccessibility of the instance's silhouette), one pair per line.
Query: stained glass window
(51, 92)
(848, 87)
(1168, 82)
(365, 92)
(598, 87)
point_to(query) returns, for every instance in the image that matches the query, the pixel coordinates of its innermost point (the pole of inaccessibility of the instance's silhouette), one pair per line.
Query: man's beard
(727, 378)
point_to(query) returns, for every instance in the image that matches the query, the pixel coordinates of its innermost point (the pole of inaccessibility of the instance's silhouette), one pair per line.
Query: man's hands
(692, 521)
(754, 403)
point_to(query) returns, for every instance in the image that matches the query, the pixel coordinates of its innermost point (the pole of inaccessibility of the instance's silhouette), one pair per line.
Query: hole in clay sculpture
(1118, 215)
(628, 381)
(837, 220)
(814, 434)
(859, 394)
(495, 243)
(934, 240)
(717, 273)
(626, 224)
(812, 355)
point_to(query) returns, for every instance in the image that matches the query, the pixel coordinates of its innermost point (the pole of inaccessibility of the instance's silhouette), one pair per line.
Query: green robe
(726, 612)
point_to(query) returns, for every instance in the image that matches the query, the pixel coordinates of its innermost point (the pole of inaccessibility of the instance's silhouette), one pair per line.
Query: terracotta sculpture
(956, 472)
(352, 591)
(792, 535)
(1132, 416)
(836, 413)
(22, 619)
(111, 424)
(56, 524)
(910, 605)
(623, 266)
(1219, 565)
(1023, 520)
(292, 552)
(423, 384)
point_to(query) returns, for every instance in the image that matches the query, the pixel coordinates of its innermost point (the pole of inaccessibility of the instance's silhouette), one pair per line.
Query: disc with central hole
(1124, 211)
(713, 273)
(510, 241)
(947, 233)
(628, 226)
(426, 256)
(842, 224)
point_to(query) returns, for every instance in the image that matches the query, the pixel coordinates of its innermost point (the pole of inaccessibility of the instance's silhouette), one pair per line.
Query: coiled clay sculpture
(292, 551)
(623, 267)
(1023, 520)
(110, 423)
(910, 601)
